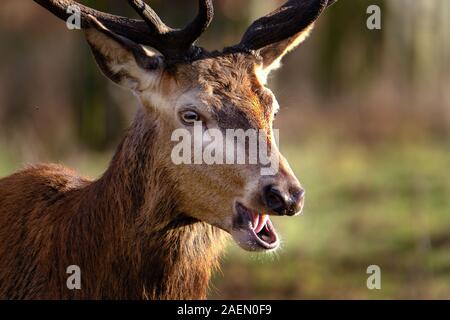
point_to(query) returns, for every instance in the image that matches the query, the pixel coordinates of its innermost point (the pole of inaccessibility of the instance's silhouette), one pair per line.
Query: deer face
(222, 95)
(189, 90)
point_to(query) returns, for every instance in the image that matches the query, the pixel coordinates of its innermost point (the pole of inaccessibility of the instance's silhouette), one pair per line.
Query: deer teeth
(261, 222)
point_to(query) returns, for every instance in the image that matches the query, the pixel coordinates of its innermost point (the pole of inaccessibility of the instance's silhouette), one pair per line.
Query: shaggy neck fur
(124, 231)
(155, 251)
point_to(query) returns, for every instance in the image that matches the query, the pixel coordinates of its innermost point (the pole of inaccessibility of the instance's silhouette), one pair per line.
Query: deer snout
(287, 201)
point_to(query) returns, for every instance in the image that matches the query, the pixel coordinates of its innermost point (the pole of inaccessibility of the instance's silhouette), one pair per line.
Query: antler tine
(195, 29)
(180, 41)
(149, 16)
(288, 20)
(135, 30)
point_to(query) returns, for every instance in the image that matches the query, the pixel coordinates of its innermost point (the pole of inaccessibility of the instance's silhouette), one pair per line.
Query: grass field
(387, 205)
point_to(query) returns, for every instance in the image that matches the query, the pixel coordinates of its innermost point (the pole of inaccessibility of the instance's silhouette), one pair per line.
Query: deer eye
(189, 117)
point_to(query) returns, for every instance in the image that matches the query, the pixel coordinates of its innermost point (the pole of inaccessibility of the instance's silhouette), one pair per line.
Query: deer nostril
(275, 200)
(297, 201)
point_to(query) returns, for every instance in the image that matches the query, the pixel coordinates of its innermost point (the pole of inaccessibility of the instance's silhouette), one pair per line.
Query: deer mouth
(254, 231)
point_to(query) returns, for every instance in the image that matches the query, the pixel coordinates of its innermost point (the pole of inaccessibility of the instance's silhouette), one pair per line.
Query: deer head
(180, 84)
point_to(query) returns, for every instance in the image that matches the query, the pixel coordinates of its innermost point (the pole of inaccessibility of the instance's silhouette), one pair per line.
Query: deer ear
(120, 59)
(274, 53)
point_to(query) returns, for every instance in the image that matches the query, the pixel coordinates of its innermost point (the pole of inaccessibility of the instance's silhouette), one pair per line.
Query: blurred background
(365, 124)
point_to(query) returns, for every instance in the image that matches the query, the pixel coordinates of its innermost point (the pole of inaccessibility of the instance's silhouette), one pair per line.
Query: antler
(151, 31)
(285, 22)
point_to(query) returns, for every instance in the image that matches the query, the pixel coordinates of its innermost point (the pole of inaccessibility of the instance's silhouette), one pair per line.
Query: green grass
(385, 205)
(7, 165)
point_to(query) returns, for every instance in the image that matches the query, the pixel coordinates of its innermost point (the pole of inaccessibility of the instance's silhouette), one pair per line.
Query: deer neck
(169, 255)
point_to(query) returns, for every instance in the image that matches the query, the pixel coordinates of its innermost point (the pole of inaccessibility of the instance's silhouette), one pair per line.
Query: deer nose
(284, 203)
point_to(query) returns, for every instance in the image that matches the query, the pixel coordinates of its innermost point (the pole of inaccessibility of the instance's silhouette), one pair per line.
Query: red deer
(147, 228)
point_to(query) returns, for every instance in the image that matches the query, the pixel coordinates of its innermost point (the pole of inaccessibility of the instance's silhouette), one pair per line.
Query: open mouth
(254, 231)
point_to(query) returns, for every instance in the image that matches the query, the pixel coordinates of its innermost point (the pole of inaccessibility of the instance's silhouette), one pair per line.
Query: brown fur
(124, 231)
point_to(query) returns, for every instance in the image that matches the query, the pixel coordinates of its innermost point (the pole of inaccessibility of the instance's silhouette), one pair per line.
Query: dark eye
(189, 117)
